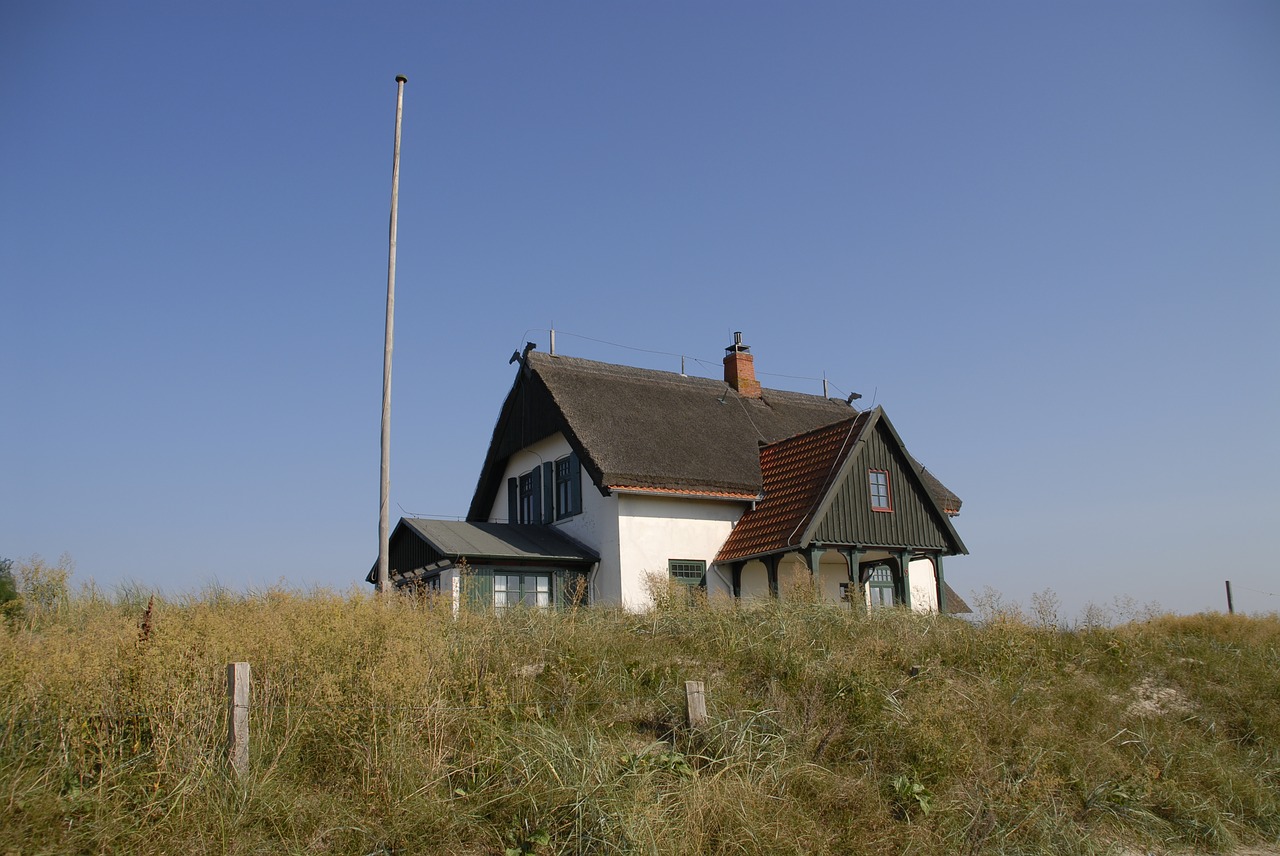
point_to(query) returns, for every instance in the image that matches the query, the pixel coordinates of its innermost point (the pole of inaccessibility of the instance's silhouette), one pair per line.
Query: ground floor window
(880, 586)
(689, 572)
(521, 590)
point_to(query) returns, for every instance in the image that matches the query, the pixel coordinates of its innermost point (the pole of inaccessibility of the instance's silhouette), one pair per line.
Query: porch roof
(511, 541)
(417, 543)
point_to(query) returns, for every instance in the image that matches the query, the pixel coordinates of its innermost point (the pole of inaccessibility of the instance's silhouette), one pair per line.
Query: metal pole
(1231, 607)
(384, 519)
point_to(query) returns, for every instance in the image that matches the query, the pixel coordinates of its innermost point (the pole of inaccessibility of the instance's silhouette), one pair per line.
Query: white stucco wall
(596, 527)
(755, 580)
(924, 585)
(833, 571)
(544, 451)
(654, 529)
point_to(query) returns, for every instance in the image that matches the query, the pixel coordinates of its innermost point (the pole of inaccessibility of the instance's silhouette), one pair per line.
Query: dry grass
(390, 727)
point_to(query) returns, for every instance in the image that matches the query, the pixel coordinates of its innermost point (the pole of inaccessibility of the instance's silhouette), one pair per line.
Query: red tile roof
(797, 474)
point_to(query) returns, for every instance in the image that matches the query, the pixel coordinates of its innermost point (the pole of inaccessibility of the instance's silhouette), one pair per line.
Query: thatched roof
(652, 430)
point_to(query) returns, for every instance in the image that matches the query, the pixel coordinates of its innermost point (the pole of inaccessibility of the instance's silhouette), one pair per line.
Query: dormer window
(528, 499)
(550, 491)
(568, 487)
(880, 498)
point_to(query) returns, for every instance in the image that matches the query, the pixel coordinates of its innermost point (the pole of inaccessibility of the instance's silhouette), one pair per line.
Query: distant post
(696, 703)
(238, 717)
(384, 519)
(1231, 607)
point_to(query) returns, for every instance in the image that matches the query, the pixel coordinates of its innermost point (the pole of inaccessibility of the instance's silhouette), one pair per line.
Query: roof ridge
(830, 426)
(545, 360)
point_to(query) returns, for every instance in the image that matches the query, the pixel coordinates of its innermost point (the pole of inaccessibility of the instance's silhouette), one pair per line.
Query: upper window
(880, 499)
(568, 487)
(528, 499)
(550, 491)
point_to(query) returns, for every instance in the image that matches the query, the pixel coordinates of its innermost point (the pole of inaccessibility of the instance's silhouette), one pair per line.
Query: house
(599, 476)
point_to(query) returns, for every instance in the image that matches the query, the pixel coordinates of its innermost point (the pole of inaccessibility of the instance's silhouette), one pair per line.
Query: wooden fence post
(238, 717)
(696, 703)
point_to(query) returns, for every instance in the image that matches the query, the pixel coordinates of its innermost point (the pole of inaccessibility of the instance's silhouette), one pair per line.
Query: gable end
(850, 516)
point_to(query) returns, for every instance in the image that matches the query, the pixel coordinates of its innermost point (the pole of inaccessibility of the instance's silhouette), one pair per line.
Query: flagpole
(384, 519)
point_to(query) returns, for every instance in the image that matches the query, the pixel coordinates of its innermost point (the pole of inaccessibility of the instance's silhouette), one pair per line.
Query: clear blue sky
(1061, 221)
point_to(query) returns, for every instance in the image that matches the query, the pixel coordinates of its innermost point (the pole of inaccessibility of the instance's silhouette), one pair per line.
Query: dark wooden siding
(534, 416)
(850, 520)
(408, 552)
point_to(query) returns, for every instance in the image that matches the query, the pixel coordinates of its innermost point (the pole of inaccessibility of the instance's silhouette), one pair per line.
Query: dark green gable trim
(915, 521)
(528, 414)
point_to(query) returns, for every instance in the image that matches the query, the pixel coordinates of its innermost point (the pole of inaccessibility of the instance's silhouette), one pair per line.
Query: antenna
(384, 521)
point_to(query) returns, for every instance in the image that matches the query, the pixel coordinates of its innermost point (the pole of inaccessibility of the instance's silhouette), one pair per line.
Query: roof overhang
(686, 493)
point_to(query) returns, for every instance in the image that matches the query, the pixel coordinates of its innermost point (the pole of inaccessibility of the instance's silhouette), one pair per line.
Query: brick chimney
(740, 369)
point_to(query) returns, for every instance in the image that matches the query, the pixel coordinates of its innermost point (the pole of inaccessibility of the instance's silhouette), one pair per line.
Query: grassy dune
(391, 727)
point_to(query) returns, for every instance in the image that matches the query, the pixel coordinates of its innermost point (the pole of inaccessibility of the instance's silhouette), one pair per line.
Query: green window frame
(880, 586)
(568, 497)
(688, 572)
(521, 589)
(529, 499)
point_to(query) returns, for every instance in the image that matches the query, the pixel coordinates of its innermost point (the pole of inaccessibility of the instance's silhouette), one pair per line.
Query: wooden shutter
(513, 500)
(548, 492)
(566, 584)
(537, 496)
(575, 484)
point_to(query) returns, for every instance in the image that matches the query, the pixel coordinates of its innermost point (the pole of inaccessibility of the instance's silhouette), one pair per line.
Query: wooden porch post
(852, 556)
(813, 556)
(904, 562)
(942, 585)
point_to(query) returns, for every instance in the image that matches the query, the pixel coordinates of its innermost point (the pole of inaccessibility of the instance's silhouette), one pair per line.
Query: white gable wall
(653, 529)
(522, 462)
(596, 526)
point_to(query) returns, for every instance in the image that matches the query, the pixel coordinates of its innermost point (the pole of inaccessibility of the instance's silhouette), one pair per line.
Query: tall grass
(392, 727)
